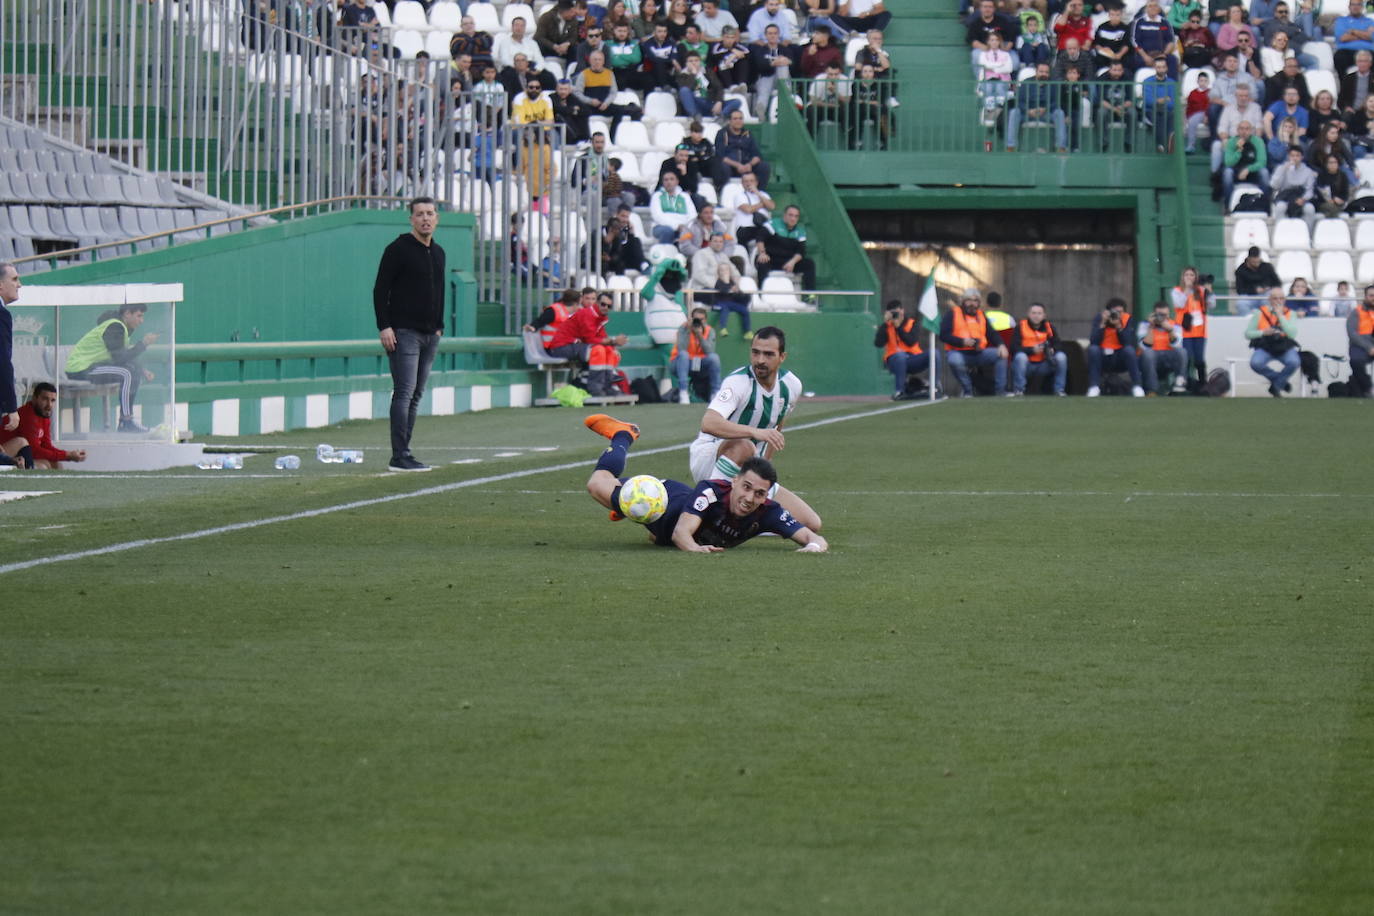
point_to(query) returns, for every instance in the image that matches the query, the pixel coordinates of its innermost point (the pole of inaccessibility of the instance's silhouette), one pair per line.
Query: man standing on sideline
(32, 440)
(409, 300)
(1359, 327)
(9, 402)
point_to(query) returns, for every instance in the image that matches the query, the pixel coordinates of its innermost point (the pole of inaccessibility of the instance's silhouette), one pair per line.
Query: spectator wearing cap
(970, 342)
(700, 92)
(571, 112)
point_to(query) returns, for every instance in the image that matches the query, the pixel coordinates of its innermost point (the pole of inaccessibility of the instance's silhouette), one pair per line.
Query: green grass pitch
(1075, 656)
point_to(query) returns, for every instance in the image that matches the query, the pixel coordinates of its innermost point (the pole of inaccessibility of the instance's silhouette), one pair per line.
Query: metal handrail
(66, 253)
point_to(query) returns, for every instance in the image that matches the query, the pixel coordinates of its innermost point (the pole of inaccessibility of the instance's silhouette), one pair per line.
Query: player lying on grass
(746, 417)
(713, 515)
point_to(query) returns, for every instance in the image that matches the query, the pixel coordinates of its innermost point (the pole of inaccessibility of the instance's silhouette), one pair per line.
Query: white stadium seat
(778, 294)
(1334, 266)
(409, 42)
(632, 137)
(1190, 78)
(650, 163)
(1240, 191)
(629, 169)
(1249, 231)
(409, 14)
(445, 16)
(668, 134)
(485, 17)
(1293, 264)
(1365, 169)
(522, 10)
(1331, 235)
(1364, 235)
(383, 15)
(1322, 52)
(1365, 273)
(852, 49)
(660, 106)
(1291, 235)
(1317, 80)
(436, 43)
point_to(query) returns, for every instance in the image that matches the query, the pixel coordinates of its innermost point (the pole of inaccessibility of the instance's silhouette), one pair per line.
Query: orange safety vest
(1268, 319)
(1111, 340)
(1159, 339)
(894, 343)
(1366, 325)
(1197, 306)
(975, 327)
(560, 315)
(1030, 337)
(694, 349)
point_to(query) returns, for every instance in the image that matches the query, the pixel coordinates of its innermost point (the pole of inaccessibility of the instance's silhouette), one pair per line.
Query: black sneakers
(407, 463)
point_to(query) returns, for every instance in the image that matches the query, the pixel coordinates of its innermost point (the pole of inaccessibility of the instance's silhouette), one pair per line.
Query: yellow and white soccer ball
(643, 499)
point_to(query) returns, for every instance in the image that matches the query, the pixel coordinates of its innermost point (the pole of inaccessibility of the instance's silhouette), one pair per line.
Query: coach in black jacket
(409, 300)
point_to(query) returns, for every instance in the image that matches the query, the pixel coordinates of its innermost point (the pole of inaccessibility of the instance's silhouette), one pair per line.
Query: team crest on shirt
(725, 395)
(701, 503)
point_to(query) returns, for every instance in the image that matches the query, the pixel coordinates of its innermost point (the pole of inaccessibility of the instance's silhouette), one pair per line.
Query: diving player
(745, 419)
(710, 517)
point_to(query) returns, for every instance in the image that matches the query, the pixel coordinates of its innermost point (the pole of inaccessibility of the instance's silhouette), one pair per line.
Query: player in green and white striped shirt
(745, 419)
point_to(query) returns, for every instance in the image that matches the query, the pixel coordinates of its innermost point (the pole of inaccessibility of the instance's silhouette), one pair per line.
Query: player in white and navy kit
(714, 515)
(745, 419)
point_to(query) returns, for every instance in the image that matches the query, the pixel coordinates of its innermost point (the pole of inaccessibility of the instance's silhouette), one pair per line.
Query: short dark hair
(760, 466)
(589, 289)
(44, 386)
(422, 200)
(570, 296)
(775, 333)
(1116, 302)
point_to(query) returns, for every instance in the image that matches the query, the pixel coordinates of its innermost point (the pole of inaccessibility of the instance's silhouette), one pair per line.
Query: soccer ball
(643, 499)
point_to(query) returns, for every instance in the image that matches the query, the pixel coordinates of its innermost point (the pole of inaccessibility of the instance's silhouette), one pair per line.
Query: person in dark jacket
(1254, 277)
(10, 285)
(408, 298)
(900, 337)
(737, 153)
(1111, 345)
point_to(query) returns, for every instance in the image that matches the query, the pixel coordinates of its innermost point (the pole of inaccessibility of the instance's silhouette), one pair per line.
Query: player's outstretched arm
(713, 424)
(810, 541)
(684, 535)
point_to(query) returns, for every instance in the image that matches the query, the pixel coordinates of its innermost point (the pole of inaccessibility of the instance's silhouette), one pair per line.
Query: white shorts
(701, 458)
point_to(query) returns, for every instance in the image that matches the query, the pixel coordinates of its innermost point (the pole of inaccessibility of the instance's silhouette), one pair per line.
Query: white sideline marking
(7, 496)
(394, 497)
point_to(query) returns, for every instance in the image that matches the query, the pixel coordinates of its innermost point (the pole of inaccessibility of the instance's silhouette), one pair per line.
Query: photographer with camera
(968, 343)
(694, 350)
(1111, 346)
(1272, 333)
(1359, 327)
(1193, 300)
(1159, 349)
(1035, 349)
(899, 336)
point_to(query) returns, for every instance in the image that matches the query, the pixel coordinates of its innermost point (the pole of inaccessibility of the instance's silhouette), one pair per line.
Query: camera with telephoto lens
(1206, 280)
(894, 314)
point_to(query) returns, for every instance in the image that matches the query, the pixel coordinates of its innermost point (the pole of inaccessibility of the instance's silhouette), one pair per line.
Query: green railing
(836, 246)
(958, 116)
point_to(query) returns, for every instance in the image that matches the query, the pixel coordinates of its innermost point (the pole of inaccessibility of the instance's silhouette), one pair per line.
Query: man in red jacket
(583, 337)
(31, 442)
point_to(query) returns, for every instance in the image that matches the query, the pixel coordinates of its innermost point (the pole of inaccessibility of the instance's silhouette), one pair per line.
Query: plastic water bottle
(209, 463)
(289, 463)
(350, 456)
(232, 463)
(326, 454)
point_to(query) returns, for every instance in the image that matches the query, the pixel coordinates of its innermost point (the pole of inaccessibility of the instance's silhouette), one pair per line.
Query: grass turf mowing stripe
(382, 500)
